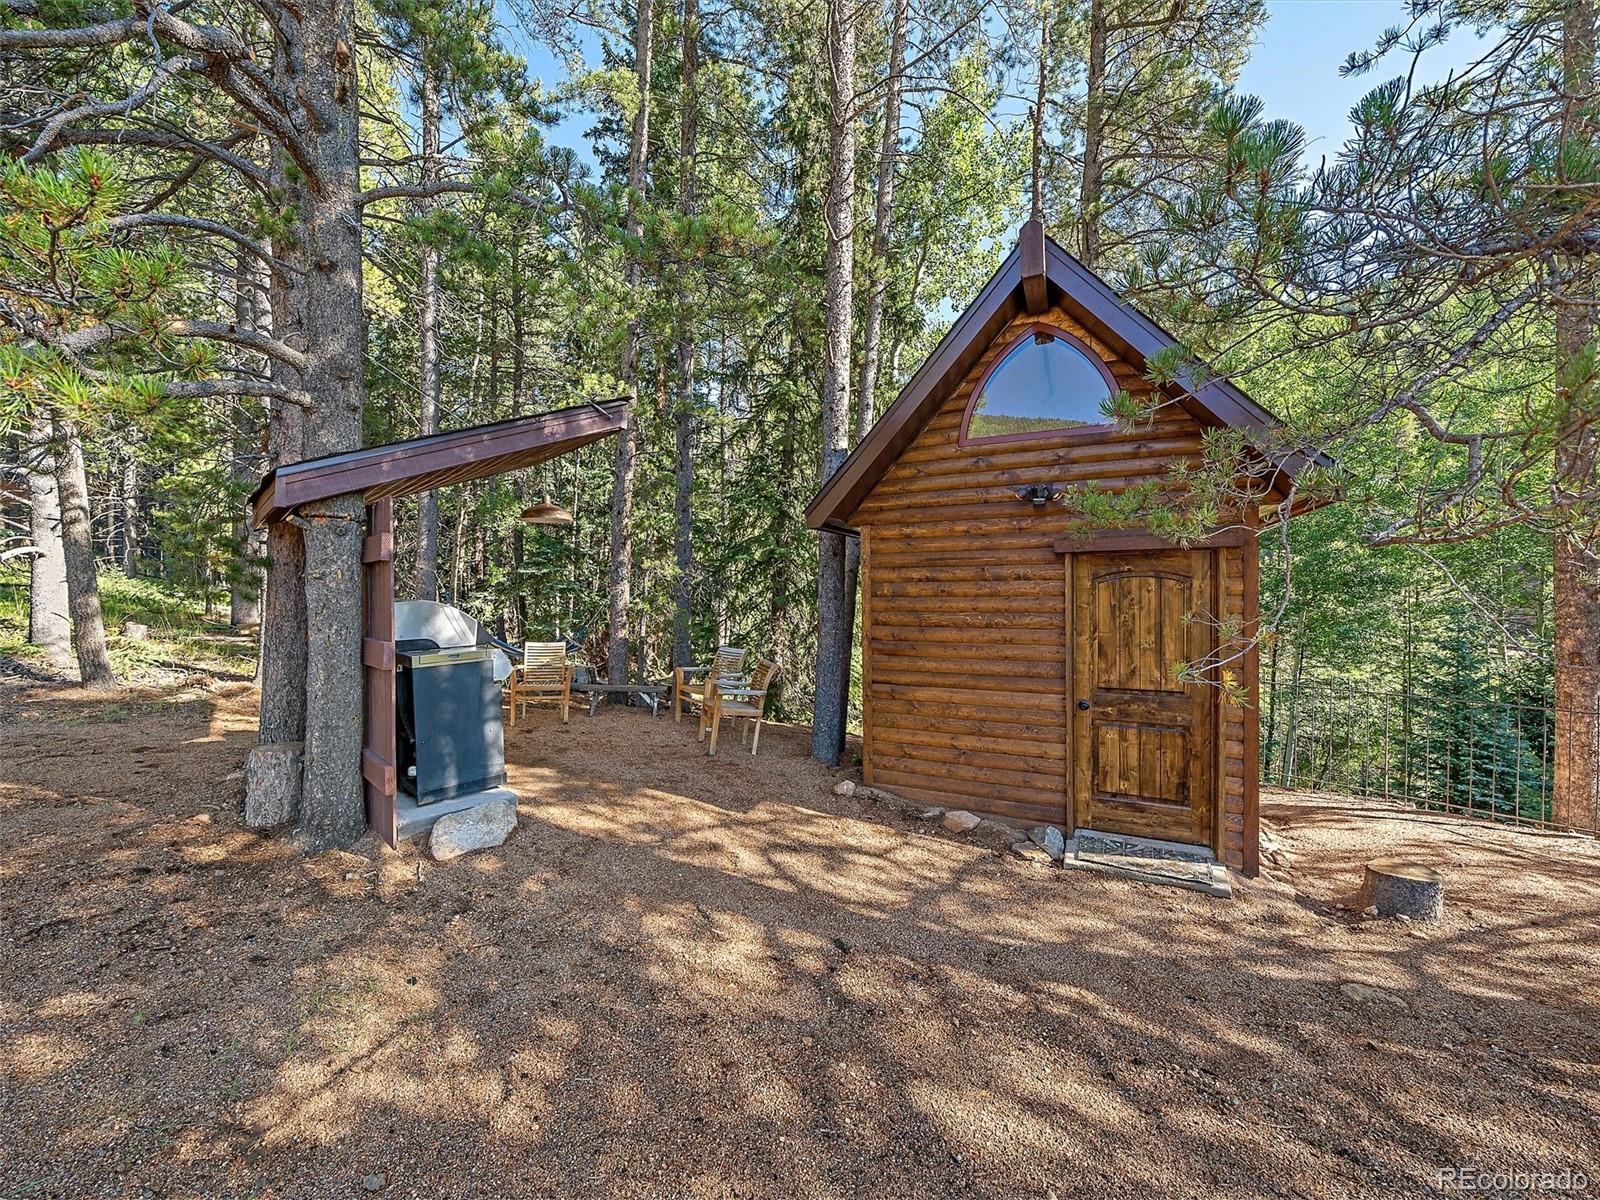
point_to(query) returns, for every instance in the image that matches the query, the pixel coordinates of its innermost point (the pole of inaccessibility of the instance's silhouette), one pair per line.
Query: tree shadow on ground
(683, 976)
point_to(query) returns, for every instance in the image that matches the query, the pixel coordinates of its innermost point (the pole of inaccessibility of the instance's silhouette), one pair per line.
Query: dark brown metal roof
(1012, 290)
(422, 464)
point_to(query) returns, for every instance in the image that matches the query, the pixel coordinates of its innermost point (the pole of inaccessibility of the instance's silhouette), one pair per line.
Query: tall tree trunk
(619, 587)
(780, 568)
(331, 808)
(281, 667)
(519, 381)
(427, 584)
(129, 498)
(244, 590)
(683, 509)
(1576, 795)
(83, 583)
(827, 724)
(49, 611)
(1041, 94)
(1092, 185)
(872, 332)
(491, 389)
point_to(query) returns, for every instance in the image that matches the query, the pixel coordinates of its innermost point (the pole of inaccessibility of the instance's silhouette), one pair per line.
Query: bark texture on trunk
(1575, 798)
(877, 272)
(872, 331)
(331, 805)
(827, 723)
(683, 508)
(1041, 93)
(245, 587)
(49, 612)
(83, 581)
(131, 525)
(619, 585)
(427, 584)
(1092, 185)
(282, 664)
(519, 382)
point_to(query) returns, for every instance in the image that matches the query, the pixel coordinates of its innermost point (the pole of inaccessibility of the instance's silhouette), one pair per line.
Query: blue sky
(1294, 67)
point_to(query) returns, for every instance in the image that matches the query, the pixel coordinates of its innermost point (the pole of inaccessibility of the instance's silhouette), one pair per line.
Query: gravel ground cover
(715, 978)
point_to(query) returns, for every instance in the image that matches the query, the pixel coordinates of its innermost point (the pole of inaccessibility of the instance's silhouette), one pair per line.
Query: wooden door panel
(1140, 763)
(1143, 738)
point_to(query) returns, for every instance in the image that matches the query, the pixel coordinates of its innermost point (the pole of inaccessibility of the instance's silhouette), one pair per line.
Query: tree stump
(1399, 887)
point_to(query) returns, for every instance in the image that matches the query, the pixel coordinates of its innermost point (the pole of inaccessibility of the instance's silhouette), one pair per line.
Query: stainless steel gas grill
(447, 687)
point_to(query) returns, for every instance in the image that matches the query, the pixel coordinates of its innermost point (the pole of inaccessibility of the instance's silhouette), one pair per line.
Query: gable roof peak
(1035, 275)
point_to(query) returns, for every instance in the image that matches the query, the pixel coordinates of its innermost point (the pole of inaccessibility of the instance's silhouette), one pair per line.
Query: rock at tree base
(1049, 839)
(272, 776)
(1402, 887)
(960, 821)
(845, 787)
(471, 829)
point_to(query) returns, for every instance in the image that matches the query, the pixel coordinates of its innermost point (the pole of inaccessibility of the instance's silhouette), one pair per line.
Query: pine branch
(152, 139)
(98, 110)
(424, 191)
(217, 53)
(142, 220)
(206, 389)
(98, 337)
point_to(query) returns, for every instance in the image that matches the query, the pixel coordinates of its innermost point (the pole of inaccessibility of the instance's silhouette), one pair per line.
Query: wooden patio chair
(690, 684)
(747, 700)
(544, 674)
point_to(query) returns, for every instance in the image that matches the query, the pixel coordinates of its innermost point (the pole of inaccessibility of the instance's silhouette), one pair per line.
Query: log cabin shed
(1013, 664)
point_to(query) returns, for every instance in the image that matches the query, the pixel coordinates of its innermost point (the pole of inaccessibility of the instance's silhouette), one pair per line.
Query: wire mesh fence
(1476, 756)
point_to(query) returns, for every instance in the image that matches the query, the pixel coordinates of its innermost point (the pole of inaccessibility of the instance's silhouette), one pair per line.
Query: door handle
(1083, 705)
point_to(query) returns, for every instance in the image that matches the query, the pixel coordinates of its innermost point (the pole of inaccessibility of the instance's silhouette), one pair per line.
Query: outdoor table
(650, 693)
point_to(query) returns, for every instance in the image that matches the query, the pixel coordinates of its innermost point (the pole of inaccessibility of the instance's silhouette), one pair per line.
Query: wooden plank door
(1143, 742)
(379, 755)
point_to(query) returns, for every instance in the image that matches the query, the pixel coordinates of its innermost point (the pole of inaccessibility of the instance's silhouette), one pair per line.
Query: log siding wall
(964, 609)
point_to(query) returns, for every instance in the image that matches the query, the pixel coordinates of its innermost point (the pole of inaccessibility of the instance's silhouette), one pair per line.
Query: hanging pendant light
(546, 513)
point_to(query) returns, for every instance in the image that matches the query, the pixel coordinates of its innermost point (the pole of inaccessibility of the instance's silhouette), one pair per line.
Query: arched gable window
(1045, 380)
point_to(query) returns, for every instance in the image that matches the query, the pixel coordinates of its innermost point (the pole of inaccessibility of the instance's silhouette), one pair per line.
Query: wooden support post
(865, 587)
(380, 757)
(1251, 553)
(1035, 289)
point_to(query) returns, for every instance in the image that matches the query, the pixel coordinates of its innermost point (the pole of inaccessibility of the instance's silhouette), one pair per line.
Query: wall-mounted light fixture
(1040, 494)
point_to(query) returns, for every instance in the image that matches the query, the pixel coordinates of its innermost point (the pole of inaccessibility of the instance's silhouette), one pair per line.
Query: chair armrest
(686, 672)
(740, 693)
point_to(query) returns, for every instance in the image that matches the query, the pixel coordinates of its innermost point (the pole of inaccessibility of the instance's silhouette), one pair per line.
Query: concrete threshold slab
(1147, 860)
(412, 818)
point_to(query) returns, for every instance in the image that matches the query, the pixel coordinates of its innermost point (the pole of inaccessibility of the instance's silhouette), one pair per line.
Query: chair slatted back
(544, 662)
(761, 678)
(728, 660)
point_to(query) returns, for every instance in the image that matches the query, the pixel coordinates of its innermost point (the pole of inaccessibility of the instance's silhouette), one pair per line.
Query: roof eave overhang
(964, 342)
(422, 464)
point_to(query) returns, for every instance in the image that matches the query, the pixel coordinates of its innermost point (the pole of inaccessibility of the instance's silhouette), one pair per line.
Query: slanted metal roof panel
(422, 464)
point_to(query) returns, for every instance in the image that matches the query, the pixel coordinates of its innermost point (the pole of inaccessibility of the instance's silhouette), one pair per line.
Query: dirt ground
(692, 977)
